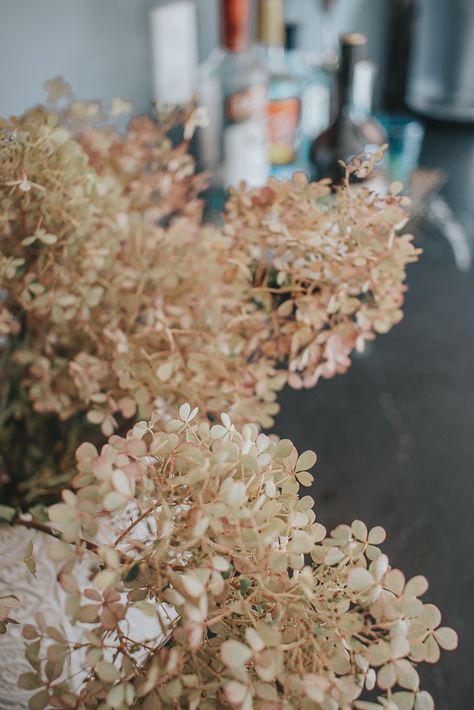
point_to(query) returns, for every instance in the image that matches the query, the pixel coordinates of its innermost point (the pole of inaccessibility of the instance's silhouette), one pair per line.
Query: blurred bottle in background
(405, 139)
(233, 86)
(353, 131)
(405, 132)
(174, 51)
(396, 59)
(284, 100)
(315, 90)
(174, 57)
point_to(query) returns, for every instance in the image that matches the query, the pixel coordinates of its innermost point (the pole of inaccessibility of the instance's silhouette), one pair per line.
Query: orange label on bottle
(283, 124)
(246, 104)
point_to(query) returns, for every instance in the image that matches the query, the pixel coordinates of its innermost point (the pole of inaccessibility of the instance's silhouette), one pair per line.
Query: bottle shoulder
(343, 139)
(228, 64)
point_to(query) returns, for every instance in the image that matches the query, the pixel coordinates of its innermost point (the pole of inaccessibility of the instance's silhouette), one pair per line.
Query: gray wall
(102, 46)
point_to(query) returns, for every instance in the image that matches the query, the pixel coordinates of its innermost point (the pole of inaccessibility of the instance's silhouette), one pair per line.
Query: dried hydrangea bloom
(328, 270)
(116, 300)
(201, 528)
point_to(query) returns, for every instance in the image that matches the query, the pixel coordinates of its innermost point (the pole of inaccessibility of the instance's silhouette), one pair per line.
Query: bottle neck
(345, 78)
(235, 25)
(274, 56)
(270, 25)
(291, 38)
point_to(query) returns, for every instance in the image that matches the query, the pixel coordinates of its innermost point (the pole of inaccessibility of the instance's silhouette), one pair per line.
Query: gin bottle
(233, 88)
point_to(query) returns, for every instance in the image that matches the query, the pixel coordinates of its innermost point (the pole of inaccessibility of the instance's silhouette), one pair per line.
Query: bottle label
(284, 117)
(245, 104)
(245, 143)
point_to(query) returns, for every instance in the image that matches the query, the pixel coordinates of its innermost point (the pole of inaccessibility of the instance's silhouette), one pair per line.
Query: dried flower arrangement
(206, 532)
(117, 305)
(117, 301)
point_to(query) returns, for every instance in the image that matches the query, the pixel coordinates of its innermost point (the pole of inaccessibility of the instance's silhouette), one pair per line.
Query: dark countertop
(395, 435)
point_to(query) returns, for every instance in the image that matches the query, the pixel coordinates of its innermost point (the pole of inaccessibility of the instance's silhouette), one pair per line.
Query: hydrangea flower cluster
(201, 529)
(194, 573)
(117, 300)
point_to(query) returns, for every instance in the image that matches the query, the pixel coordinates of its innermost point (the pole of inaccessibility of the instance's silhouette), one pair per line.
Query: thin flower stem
(134, 523)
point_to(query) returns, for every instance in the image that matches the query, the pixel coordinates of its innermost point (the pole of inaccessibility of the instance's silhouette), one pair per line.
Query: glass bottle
(233, 88)
(353, 132)
(284, 102)
(316, 92)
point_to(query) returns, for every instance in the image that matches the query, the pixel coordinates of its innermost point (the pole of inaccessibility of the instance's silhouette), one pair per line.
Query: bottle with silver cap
(233, 88)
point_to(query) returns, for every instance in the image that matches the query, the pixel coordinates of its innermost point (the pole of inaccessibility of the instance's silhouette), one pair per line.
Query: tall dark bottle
(352, 132)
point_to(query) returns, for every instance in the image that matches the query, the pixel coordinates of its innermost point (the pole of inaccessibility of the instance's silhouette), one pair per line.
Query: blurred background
(394, 436)
(104, 48)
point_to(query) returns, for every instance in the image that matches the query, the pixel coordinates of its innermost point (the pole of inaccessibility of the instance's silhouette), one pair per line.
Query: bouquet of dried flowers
(201, 529)
(117, 301)
(118, 304)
